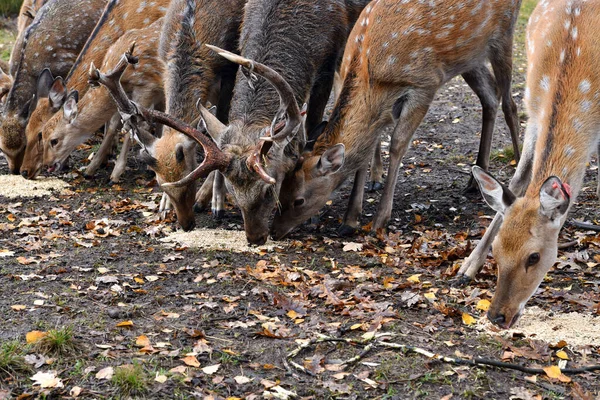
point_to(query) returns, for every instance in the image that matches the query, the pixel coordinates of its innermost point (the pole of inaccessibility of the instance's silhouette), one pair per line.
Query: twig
(586, 226)
(476, 361)
(562, 246)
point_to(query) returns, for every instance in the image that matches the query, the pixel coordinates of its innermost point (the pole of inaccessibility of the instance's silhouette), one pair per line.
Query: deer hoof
(199, 208)
(346, 230)
(218, 214)
(472, 187)
(88, 177)
(374, 186)
(460, 281)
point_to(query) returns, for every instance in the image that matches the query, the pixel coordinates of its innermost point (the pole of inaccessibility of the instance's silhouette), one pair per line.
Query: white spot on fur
(585, 86)
(545, 83)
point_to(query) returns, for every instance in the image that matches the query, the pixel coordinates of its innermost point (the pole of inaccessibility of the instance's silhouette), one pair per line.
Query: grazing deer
(562, 102)
(273, 33)
(118, 17)
(81, 117)
(53, 40)
(398, 55)
(27, 14)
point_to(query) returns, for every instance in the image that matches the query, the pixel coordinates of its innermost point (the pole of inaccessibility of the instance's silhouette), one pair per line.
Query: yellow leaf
(483, 305)
(142, 341)
(192, 361)
(553, 371)
(562, 355)
(125, 324)
(467, 319)
(18, 307)
(414, 278)
(429, 296)
(34, 336)
(355, 327)
(138, 280)
(292, 314)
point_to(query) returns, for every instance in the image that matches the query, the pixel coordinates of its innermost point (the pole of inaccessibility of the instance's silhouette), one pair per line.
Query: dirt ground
(192, 323)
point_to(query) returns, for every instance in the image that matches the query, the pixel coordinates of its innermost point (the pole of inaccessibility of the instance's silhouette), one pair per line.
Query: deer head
(307, 189)
(51, 95)
(526, 246)
(12, 140)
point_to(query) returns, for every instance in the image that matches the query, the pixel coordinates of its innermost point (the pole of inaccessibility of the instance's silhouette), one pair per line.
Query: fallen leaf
(18, 307)
(142, 341)
(562, 355)
(75, 391)
(552, 371)
(160, 378)
(467, 319)
(240, 379)
(105, 373)
(211, 369)
(34, 336)
(47, 380)
(483, 305)
(125, 324)
(414, 278)
(351, 246)
(192, 361)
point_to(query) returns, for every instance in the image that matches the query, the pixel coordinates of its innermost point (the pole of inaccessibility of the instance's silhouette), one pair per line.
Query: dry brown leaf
(192, 361)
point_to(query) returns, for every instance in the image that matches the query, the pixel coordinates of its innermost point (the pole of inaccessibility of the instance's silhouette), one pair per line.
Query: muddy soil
(92, 260)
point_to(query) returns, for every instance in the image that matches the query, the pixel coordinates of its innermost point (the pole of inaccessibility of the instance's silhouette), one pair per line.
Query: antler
(288, 105)
(133, 113)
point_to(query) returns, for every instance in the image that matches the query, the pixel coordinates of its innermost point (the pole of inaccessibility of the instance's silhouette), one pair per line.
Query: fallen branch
(586, 226)
(370, 344)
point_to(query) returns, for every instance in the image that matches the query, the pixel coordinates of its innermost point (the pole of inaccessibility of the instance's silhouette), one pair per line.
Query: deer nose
(257, 240)
(15, 171)
(498, 320)
(188, 226)
(25, 174)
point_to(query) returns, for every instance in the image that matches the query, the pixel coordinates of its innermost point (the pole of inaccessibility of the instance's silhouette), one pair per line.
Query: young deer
(398, 55)
(274, 33)
(81, 117)
(52, 41)
(118, 17)
(562, 102)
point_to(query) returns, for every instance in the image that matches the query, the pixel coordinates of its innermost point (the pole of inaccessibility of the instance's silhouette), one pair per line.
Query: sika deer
(81, 117)
(27, 13)
(562, 102)
(398, 55)
(274, 33)
(52, 41)
(118, 17)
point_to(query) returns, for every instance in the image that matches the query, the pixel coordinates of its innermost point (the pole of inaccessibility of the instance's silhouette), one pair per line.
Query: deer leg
(218, 196)
(518, 185)
(110, 133)
(409, 119)
(352, 217)
(376, 176)
(501, 61)
(598, 179)
(121, 163)
(165, 205)
(319, 96)
(205, 193)
(483, 83)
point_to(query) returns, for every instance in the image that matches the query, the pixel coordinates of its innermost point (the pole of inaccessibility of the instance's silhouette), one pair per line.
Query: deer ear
(44, 83)
(57, 93)
(213, 126)
(498, 196)
(179, 153)
(555, 198)
(332, 160)
(70, 106)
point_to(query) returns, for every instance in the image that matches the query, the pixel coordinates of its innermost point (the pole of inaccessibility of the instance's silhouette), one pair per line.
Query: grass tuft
(58, 342)
(12, 359)
(131, 379)
(10, 8)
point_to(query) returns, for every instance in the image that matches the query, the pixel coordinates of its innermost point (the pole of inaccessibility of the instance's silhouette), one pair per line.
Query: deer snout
(497, 319)
(257, 240)
(189, 225)
(25, 173)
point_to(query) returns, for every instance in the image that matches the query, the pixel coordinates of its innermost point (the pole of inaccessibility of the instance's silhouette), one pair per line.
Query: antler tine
(288, 104)
(214, 157)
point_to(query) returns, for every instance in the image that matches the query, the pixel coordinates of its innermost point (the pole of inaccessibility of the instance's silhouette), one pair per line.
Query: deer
(118, 17)
(259, 101)
(562, 102)
(82, 116)
(6, 80)
(398, 56)
(26, 16)
(53, 41)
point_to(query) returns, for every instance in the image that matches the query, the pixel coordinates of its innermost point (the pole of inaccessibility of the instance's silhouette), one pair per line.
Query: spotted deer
(398, 55)
(118, 17)
(27, 13)
(562, 102)
(81, 117)
(53, 40)
(296, 73)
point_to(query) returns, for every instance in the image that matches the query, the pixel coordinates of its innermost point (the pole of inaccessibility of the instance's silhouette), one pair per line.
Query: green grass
(58, 342)
(527, 7)
(10, 8)
(12, 359)
(130, 380)
(7, 38)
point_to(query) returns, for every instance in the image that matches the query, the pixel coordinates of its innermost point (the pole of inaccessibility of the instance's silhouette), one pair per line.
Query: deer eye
(533, 259)
(299, 202)
(53, 142)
